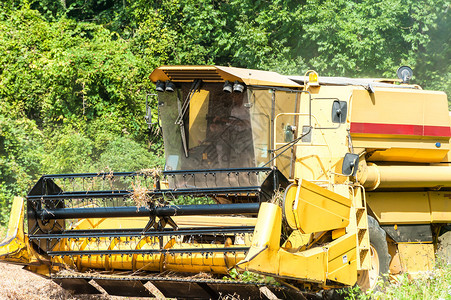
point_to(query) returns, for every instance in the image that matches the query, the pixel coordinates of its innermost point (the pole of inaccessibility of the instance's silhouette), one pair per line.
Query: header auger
(312, 182)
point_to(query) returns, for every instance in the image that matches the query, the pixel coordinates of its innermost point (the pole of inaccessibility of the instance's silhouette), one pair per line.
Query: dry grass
(140, 195)
(155, 172)
(18, 284)
(277, 198)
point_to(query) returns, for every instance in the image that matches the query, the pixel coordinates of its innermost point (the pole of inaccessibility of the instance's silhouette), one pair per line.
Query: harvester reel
(48, 226)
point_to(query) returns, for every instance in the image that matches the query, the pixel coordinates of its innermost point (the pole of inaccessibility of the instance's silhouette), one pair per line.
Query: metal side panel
(77, 285)
(126, 288)
(182, 290)
(409, 233)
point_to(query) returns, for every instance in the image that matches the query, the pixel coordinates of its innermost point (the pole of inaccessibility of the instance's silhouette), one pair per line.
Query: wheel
(380, 258)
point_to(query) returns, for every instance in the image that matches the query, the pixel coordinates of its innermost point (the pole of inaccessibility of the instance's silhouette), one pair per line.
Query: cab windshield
(214, 131)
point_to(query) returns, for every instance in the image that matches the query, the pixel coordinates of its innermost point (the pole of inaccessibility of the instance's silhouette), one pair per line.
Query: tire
(380, 258)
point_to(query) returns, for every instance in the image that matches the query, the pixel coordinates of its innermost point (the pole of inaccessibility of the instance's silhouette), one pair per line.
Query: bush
(21, 151)
(69, 151)
(124, 154)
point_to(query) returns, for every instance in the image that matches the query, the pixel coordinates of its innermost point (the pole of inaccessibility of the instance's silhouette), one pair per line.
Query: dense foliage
(74, 73)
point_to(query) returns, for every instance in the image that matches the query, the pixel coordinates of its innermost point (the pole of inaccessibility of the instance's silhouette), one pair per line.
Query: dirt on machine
(274, 186)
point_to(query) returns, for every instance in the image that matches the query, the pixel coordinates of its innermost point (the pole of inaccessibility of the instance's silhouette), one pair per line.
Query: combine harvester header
(312, 182)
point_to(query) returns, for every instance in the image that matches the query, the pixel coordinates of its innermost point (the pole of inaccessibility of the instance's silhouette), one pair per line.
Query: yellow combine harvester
(317, 182)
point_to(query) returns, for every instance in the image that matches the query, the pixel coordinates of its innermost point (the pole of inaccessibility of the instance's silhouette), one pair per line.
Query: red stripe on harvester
(401, 129)
(437, 131)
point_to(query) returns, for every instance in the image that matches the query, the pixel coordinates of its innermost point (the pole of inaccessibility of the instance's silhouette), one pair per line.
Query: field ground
(19, 284)
(16, 283)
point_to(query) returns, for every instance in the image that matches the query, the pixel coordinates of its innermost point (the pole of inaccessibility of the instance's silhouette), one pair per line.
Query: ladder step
(363, 243)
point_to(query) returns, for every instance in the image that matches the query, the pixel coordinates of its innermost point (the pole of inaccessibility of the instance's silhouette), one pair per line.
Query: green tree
(68, 90)
(21, 154)
(73, 73)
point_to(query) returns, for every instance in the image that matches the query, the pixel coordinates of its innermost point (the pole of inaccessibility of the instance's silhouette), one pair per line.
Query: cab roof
(184, 73)
(221, 74)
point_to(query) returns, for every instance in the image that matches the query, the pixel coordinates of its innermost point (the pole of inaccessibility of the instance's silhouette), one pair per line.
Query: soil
(19, 284)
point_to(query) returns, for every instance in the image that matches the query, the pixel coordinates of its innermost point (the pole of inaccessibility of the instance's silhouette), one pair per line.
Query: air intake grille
(189, 75)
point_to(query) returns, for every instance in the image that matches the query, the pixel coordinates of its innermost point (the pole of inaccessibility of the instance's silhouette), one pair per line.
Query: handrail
(310, 115)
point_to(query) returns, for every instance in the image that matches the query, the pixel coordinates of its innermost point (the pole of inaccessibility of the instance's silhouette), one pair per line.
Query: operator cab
(220, 126)
(206, 128)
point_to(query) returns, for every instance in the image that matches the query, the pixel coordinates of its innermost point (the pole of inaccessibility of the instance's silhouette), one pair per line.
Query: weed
(248, 276)
(430, 285)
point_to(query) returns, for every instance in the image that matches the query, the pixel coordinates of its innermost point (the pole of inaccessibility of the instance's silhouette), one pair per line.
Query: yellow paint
(335, 261)
(307, 265)
(198, 110)
(342, 260)
(416, 258)
(410, 207)
(43, 270)
(14, 247)
(182, 221)
(359, 225)
(311, 208)
(378, 177)
(338, 233)
(429, 153)
(15, 226)
(400, 208)
(179, 262)
(440, 204)
(418, 107)
(221, 74)
(320, 158)
(297, 240)
(195, 262)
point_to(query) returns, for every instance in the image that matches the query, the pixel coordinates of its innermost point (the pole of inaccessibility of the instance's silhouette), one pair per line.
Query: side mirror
(289, 132)
(148, 115)
(339, 111)
(350, 164)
